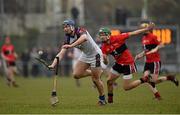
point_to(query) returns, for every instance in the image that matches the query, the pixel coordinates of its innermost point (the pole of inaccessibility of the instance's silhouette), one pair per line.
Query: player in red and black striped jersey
(116, 46)
(9, 56)
(151, 45)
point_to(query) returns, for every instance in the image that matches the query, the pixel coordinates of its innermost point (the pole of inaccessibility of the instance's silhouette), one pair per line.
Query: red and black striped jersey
(149, 42)
(8, 52)
(118, 49)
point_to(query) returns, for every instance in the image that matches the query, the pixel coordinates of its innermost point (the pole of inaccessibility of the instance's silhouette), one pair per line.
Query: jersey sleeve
(82, 31)
(122, 36)
(155, 40)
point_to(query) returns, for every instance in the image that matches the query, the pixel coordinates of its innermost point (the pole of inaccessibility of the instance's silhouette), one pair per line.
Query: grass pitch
(33, 97)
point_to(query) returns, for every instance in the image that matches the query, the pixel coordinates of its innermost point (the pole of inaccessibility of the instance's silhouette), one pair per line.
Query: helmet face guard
(104, 31)
(69, 23)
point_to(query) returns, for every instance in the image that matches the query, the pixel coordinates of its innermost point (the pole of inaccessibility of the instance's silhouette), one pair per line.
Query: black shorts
(123, 69)
(10, 64)
(153, 67)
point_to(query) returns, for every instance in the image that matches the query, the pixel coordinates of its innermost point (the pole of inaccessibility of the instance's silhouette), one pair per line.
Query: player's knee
(126, 88)
(95, 79)
(76, 75)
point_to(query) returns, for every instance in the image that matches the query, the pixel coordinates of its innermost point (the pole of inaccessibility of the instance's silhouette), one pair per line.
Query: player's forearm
(136, 32)
(155, 49)
(79, 41)
(105, 60)
(140, 55)
(3, 56)
(160, 46)
(60, 55)
(152, 51)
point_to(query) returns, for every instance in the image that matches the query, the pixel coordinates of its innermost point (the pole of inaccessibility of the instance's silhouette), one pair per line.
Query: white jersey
(90, 50)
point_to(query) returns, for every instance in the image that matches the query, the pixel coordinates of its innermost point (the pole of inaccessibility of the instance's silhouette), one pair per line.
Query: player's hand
(51, 67)
(138, 57)
(66, 46)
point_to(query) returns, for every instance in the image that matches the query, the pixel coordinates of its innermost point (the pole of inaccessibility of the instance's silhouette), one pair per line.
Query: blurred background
(35, 25)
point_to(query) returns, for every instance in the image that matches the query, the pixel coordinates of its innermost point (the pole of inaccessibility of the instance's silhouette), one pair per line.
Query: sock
(53, 93)
(110, 97)
(145, 79)
(141, 79)
(169, 78)
(110, 94)
(102, 97)
(157, 95)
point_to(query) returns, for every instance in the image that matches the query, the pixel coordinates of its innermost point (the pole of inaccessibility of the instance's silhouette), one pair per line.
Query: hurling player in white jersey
(89, 63)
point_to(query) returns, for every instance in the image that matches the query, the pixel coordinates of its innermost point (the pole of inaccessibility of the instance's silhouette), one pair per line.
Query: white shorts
(93, 60)
(124, 76)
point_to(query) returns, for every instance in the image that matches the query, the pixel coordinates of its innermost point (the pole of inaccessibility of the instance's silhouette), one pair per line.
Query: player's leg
(153, 88)
(14, 71)
(95, 67)
(106, 72)
(128, 70)
(96, 74)
(7, 72)
(128, 84)
(110, 81)
(81, 70)
(9, 76)
(78, 84)
(172, 78)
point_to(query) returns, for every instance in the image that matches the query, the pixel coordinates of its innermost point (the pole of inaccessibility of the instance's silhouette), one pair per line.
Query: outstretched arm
(155, 49)
(60, 55)
(143, 53)
(140, 55)
(139, 31)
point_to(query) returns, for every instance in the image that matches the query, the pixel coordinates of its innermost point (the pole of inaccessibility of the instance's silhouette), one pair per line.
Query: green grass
(33, 96)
